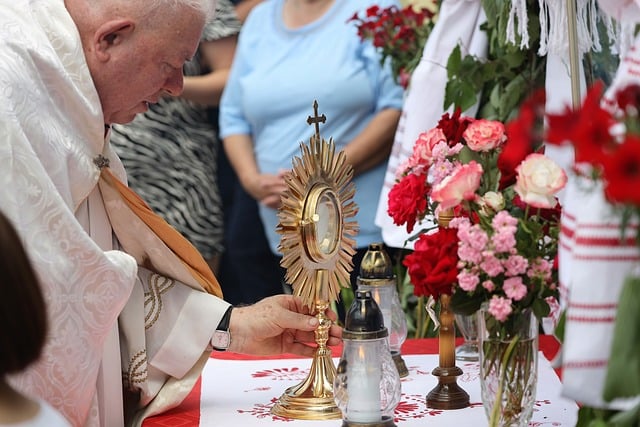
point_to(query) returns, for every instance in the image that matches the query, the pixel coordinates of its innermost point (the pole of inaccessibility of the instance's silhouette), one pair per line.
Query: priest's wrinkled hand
(276, 325)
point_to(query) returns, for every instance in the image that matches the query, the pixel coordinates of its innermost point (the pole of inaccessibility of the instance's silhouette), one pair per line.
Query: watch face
(221, 340)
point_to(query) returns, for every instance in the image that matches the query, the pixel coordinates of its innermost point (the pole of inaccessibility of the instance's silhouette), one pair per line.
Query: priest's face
(139, 61)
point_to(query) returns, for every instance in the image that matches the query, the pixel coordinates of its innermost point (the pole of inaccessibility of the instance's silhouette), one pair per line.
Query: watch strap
(226, 320)
(221, 338)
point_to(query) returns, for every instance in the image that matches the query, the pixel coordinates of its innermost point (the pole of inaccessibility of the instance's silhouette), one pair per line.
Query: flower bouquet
(498, 254)
(399, 34)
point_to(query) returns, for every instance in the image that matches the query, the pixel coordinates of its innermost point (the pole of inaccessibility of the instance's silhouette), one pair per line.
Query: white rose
(539, 179)
(493, 200)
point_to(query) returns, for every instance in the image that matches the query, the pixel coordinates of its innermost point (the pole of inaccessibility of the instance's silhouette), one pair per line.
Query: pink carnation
(491, 265)
(504, 221)
(488, 285)
(503, 242)
(484, 135)
(468, 281)
(500, 308)
(460, 185)
(515, 265)
(514, 288)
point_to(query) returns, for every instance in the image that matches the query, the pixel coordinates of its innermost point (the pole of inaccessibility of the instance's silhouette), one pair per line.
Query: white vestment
(109, 320)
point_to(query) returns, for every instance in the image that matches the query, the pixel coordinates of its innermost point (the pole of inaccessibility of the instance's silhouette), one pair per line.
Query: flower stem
(497, 405)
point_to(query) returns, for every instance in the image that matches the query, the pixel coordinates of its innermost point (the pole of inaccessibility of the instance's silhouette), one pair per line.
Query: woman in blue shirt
(291, 53)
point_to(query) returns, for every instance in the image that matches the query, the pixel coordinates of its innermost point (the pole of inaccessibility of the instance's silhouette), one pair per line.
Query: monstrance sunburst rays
(316, 233)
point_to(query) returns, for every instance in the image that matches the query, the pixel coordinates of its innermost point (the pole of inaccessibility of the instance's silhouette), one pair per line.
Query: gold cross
(316, 119)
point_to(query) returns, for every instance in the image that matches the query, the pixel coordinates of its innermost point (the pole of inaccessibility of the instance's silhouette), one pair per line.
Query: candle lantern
(367, 385)
(377, 277)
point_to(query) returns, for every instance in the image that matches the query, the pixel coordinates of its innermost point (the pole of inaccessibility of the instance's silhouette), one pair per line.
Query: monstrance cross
(316, 120)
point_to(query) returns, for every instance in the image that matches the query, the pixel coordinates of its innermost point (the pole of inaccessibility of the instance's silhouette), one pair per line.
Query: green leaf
(623, 372)
(540, 308)
(560, 327)
(462, 303)
(630, 418)
(454, 61)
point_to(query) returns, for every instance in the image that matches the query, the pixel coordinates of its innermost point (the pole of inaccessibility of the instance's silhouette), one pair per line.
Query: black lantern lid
(364, 319)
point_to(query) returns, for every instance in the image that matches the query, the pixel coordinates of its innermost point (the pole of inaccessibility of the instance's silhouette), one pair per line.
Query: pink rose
(539, 179)
(484, 135)
(460, 185)
(423, 148)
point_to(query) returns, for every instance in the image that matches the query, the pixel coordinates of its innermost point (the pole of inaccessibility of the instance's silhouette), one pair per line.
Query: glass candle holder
(377, 277)
(367, 385)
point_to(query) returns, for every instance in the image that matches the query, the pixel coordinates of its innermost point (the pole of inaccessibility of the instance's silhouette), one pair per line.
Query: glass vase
(467, 324)
(508, 367)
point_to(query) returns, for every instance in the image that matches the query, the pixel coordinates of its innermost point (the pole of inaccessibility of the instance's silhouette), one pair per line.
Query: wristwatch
(221, 338)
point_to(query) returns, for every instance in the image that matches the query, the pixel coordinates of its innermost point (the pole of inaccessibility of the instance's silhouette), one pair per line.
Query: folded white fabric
(594, 262)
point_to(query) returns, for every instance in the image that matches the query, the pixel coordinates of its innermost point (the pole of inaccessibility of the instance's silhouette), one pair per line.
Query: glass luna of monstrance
(317, 247)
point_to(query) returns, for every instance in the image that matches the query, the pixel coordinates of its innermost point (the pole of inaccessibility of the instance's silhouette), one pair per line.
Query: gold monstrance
(317, 251)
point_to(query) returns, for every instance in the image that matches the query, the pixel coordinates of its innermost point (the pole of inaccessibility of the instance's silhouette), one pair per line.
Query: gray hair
(206, 7)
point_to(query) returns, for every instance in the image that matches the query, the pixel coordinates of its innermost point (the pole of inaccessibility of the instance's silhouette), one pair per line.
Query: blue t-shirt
(277, 74)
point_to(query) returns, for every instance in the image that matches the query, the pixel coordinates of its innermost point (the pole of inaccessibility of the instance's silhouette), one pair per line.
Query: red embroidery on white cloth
(591, 319)
(586, 364)
(594, 306)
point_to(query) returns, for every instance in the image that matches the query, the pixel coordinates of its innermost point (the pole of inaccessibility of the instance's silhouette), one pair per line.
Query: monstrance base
(313, 398)
(306, 408)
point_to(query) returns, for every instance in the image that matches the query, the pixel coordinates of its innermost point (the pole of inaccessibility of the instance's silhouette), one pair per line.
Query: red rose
(453, 127)
(408, 200)
(433, 264)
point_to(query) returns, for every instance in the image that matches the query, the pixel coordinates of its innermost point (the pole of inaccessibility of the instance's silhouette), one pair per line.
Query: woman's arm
(373, 144)
(265, 188)
(218, 56)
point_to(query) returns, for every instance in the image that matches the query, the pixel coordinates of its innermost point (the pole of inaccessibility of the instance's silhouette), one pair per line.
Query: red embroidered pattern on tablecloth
(280, 374)
(411, 406)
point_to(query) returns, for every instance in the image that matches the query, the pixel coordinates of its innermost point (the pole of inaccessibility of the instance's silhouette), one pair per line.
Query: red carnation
(433, 264)
(622, 172)
(408, 200)
(588, 128)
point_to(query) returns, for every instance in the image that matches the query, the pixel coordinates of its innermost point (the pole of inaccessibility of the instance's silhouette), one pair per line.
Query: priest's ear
(110, 35)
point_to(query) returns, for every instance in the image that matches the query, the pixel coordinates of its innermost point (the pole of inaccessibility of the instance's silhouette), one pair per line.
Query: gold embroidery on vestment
(157, 286)
(137, 371)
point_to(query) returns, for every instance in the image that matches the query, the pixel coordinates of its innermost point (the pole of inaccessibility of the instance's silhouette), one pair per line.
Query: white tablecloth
(241, 393)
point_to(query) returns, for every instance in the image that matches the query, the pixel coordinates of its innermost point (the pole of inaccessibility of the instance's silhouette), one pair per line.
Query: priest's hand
(276, 325)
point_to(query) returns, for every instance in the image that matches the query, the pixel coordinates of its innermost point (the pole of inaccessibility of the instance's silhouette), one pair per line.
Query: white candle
(363, 383)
